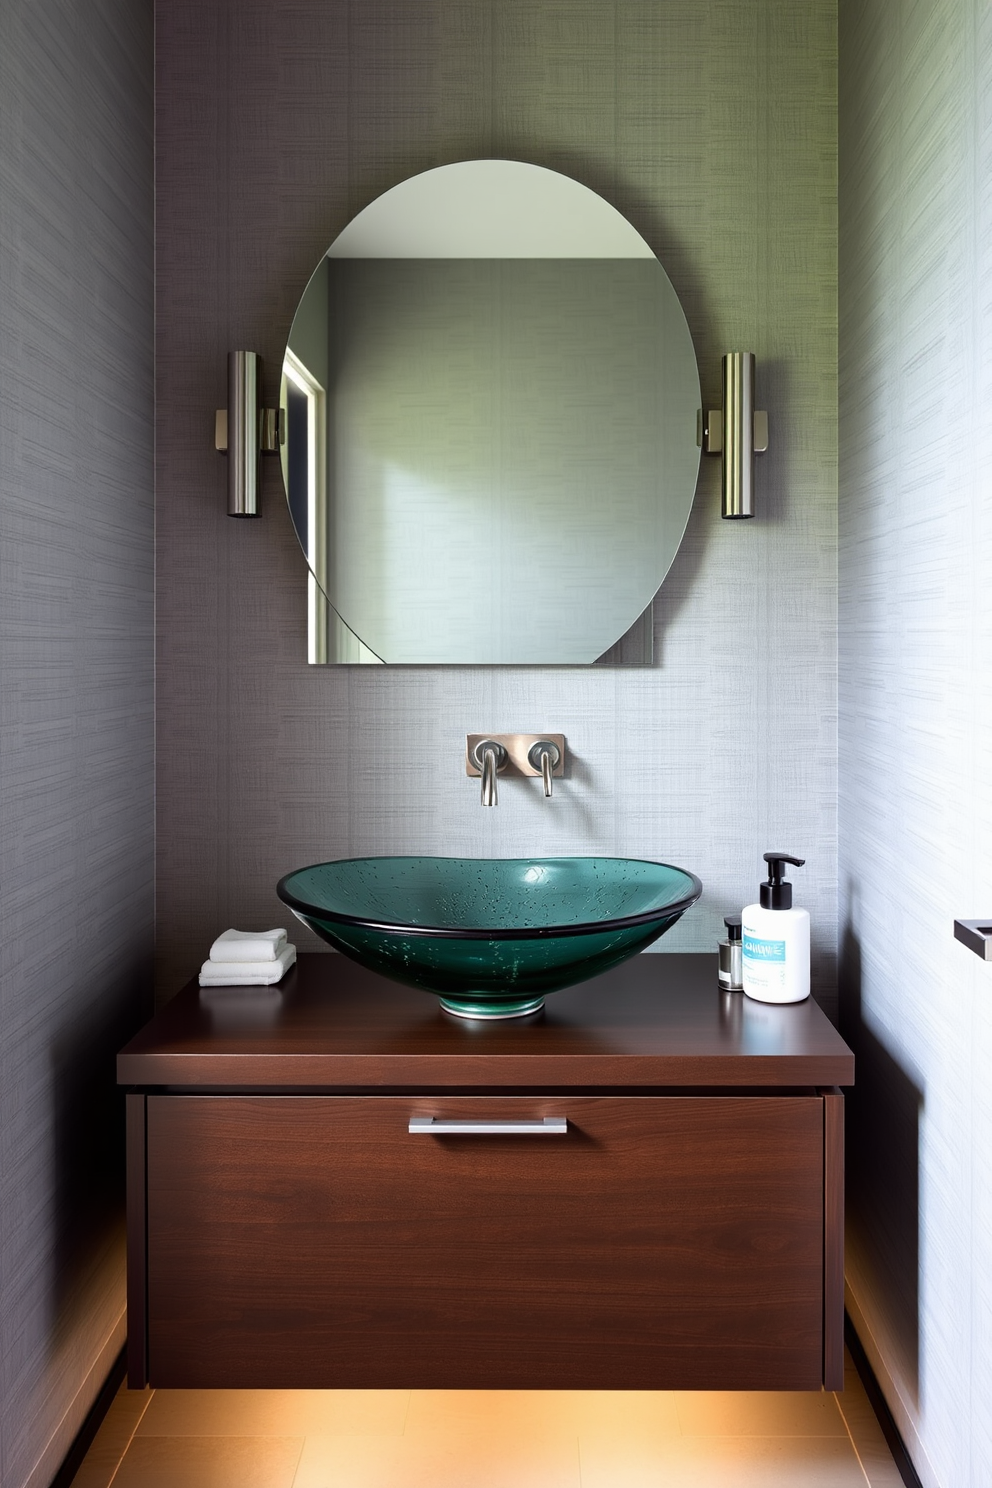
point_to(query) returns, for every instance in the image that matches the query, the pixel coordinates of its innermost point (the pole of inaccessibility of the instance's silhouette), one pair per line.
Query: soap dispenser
(775, 960)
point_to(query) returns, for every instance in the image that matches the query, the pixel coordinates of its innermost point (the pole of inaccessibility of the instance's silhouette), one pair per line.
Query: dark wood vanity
(287, 1230)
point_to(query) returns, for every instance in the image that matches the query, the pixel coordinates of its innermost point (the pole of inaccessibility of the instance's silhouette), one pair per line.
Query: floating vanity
(669, 1215)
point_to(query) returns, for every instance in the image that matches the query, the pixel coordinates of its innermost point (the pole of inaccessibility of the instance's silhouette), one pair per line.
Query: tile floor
(488, 1439)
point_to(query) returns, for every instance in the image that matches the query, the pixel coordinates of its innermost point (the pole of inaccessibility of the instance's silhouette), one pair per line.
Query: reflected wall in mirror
(490, 397)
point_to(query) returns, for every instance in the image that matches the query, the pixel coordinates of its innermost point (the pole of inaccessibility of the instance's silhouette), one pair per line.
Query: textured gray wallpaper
(712, 127)
(76, 743)
(916, 758)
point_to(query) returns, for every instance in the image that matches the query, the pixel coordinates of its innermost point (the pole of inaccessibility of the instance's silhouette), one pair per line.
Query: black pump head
(776, 893)
(733, 924)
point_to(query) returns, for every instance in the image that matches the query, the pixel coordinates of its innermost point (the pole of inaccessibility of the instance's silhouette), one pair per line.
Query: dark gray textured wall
(76, 672)
(712, 127)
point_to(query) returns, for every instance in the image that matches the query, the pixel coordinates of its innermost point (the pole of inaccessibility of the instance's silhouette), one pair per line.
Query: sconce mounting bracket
(271, 431)
(709, 433)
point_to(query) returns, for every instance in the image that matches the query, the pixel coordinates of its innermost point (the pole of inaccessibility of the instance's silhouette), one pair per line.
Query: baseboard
(890, 1405)
(879, 1405)
(69, 1442)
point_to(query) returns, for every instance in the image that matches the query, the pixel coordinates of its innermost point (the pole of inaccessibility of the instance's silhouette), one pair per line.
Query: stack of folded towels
(240, 958)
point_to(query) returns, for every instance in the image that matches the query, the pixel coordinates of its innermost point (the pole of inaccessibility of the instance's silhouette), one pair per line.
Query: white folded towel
(248, 945)
(247, 973)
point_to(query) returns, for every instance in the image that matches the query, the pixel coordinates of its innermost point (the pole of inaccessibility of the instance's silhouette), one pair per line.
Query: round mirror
(490, 397)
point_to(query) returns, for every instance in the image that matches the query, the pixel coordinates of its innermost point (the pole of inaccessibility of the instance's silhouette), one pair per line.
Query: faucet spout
(490, 757)
(490, 795)
(543, 756)
(547, 765)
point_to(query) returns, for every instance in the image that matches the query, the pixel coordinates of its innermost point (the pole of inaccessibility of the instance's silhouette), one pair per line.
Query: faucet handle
(479, 753)
(544, 756)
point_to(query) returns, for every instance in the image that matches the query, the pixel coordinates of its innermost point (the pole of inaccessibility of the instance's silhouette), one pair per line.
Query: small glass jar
(731, 969)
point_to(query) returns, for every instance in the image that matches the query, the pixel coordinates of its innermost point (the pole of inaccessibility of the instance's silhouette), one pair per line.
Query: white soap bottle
(776, 939)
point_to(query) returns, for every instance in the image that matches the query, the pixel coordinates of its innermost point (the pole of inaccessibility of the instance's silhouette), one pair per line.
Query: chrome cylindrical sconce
(244, 430)
(243, 444)
(738, 432)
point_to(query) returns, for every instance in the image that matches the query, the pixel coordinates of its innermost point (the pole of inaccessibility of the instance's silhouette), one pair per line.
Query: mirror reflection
(490, 399)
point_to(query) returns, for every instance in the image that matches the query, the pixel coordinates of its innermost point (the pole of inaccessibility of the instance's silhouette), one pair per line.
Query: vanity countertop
(658, 1020)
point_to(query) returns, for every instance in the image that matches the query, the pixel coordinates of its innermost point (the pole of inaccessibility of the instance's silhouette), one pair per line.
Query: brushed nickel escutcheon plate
(517, 747)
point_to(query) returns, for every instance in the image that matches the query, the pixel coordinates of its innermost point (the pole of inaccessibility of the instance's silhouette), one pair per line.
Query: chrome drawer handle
(437, 1126)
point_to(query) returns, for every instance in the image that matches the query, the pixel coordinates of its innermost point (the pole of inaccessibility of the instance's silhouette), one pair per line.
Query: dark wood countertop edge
(192, 1071)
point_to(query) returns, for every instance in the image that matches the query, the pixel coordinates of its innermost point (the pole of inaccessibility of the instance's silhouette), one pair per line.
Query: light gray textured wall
(712, 127)
(916, 760)
(76, 785)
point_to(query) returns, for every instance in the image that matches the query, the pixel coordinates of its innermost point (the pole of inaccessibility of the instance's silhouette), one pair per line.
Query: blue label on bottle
(763, 950)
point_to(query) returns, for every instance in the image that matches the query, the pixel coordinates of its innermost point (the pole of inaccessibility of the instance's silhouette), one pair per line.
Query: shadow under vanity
(294, 1222)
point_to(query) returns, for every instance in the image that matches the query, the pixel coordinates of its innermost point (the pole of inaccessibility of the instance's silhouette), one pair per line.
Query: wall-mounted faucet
(489, 755)
(544, 755)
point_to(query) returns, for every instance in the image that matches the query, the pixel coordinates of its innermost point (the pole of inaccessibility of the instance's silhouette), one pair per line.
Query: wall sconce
(243, 430)
(737, 432)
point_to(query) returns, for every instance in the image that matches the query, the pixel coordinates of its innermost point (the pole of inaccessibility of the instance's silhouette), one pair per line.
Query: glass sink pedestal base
(490, 1008)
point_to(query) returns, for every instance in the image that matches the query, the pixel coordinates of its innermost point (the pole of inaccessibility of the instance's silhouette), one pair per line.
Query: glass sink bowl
(489, 936)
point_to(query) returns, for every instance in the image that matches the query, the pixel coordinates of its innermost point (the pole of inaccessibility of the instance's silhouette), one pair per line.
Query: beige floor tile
(209, 1462)
(759, 1413)
(543, 1412)
(111, 1441)
(438, 1460)
(724, 1462)
(869, 1441)
(275, 1413)
(490, 1439)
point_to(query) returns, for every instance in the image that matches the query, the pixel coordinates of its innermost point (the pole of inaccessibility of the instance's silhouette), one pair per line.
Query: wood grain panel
(833, 1239)
(311, 1242)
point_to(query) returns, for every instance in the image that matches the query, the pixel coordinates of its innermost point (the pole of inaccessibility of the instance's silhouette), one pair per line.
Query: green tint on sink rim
(489, 936)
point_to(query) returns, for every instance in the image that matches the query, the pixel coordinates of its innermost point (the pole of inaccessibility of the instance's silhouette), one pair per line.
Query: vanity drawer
(314, 1242)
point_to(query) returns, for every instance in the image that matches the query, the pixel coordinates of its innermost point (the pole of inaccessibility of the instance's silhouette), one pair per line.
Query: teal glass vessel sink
(489, 936)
